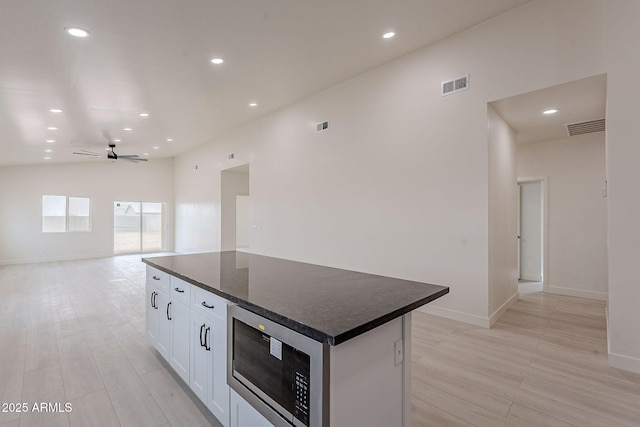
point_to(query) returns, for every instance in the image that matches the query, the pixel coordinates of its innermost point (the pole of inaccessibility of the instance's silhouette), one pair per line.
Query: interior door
(531, 223)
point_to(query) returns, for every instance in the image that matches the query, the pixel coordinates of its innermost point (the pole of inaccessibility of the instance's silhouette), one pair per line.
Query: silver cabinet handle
(179, 290)
(205, 304)
(156, 278)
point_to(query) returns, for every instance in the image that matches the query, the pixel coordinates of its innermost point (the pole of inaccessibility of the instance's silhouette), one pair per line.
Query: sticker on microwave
(275, 348)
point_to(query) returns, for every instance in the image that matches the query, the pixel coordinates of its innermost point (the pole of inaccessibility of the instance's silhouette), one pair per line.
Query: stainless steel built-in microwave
(280, 372)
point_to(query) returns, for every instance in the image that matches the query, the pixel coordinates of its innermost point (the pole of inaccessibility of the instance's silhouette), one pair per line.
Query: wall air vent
(322, 126)
(455, 85)
(590, 126)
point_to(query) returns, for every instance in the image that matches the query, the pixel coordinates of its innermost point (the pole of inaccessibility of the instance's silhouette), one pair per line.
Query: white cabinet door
(245, 415)
(151, 314)
(163, 338)
(218, 402)
(179, 318)
(208, 367)
(201, 359)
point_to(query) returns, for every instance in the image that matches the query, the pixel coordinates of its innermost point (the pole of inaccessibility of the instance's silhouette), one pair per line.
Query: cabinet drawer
(209, 305)
(158, 278)
(180, 291)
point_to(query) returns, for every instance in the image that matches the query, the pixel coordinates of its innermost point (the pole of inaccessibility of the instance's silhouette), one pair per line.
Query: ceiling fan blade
(87, 153)
(134, 159)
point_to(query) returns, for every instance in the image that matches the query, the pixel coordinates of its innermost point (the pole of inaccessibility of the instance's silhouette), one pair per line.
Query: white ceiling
(577, 101)
(154, 56)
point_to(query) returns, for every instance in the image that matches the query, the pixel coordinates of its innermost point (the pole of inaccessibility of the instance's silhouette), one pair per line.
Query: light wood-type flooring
(544, 363)
(73, 332)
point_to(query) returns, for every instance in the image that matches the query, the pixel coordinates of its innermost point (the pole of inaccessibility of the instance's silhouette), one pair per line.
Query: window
(65, 214)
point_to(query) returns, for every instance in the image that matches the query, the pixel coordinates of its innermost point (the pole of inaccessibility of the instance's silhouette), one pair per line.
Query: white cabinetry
(158, 329)
(188, 327)
(179, 315)
(151, 325)
(163, 338)
(208, 364)
(245, 415)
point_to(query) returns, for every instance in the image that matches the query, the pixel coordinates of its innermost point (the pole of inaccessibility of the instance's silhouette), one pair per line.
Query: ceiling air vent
(455, 85)
(590, 126)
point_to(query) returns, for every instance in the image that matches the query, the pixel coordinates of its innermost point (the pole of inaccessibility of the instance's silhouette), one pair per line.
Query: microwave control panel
(301, 386)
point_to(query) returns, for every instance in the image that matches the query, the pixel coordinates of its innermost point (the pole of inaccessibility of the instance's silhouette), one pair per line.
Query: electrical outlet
(398, 352)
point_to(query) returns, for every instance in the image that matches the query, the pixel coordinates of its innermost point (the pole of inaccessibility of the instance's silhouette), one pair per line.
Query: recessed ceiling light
(388, 35)
(52, 128)
(145, 154)
(156, 147)
(47, 158)
(117, 140)
(76, 32)
(550, 111)
(217, 61)
(169, 139)
(253, 104)
(144, 114)
(55, 110)
(128, 129)
(48, 150)
(51, 140)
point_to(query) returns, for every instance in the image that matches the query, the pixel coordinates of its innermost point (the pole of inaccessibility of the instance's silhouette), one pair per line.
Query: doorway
(137, 227)
(531, 235)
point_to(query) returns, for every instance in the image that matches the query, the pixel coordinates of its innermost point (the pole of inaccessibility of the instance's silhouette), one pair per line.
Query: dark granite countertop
(327, 304)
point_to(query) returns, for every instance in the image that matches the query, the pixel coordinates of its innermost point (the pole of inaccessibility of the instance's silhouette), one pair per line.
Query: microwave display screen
(274, 368)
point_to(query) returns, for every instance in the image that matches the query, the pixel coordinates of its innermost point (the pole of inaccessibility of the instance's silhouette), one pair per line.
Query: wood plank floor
(544, 363)
(74, 332)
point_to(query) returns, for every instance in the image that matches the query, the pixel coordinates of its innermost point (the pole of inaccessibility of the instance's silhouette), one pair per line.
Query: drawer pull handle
(156, 278)
(180, 290)
(205, 305)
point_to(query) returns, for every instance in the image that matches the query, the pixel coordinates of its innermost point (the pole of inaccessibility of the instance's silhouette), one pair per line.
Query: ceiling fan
(112, 155)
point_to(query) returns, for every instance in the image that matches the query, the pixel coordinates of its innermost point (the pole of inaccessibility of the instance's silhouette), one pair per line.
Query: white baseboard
(54, 259)
(572, 292)
(459, 316)
(624, 362)
(531, 277)
(503, 308)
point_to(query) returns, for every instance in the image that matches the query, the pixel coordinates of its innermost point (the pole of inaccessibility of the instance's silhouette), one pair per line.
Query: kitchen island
(362, 320)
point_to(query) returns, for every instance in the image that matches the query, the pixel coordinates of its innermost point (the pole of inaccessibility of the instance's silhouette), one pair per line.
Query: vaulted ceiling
(154, 57)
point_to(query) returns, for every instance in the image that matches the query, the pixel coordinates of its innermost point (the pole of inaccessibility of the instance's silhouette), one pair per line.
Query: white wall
(399, 185)
(197, 201)
(531, 231)
(503, 221)
(22, 188)
(623, 158)
(577, 228)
